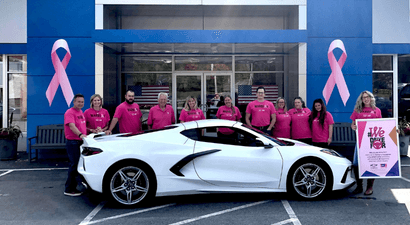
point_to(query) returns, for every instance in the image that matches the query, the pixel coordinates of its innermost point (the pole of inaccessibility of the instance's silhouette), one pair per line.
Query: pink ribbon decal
(60, 77)
(336, 77)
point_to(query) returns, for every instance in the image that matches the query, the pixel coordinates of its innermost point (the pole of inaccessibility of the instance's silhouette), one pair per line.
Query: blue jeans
(73, 152)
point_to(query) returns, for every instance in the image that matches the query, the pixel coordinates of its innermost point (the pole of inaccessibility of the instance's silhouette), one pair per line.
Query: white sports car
(190, 158)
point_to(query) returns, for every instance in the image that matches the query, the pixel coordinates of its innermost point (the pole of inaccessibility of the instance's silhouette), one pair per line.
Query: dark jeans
(264, 129)
(305, 140)
(73, 152)
(321, 144)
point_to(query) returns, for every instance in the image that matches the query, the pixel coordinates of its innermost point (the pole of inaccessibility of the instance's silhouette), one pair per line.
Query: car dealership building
(199, 48)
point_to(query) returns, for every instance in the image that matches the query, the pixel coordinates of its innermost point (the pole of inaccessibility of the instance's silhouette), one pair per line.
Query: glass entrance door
(217, 86)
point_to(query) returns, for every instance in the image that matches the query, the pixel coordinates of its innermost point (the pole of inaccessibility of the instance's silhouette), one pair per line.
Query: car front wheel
(309, 180)
(130, 185)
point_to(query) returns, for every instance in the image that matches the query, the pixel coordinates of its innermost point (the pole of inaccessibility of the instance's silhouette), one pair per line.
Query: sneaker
(73, 193)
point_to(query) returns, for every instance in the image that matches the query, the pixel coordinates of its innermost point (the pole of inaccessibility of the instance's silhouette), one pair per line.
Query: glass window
(18, 99)
(147, 87)
(1, 77)
(203, 63)
(382, 90)
(17, 64)
(384, 63)
(130, 63)
(270, 63)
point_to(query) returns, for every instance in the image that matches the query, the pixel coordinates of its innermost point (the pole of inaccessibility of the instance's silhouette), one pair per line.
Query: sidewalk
(22, 162)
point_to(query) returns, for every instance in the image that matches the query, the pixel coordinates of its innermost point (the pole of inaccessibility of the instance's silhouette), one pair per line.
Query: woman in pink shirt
(321, 122)
(96, 117)
(228, 112)
(300, 129)
(283, 119)
(365, 108)
(191, 112)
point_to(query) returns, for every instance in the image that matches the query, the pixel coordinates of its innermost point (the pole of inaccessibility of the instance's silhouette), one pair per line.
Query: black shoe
(358, 190)
(73, 193)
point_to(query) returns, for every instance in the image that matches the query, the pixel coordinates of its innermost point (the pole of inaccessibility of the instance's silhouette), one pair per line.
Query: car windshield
(279, 142)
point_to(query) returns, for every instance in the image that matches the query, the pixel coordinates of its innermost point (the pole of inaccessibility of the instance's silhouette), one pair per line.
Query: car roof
(215, 123)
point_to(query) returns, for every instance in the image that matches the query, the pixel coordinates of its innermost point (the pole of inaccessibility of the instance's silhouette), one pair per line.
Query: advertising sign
(378, 149)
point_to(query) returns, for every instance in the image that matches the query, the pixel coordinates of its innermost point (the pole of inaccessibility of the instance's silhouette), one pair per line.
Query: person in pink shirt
(128, 114)
(283, 119)
(228, 112)
(321, 122)
(162, 114)
(96, 117)
(74, 130)
(365, 108)
(300, 128)
(262, 112)
(191, 112)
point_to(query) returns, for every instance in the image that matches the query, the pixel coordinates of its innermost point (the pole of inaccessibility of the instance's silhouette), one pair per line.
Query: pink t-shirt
(282, 125)
(159, 118)
(96, 118)
(225, 113)
(192, 115)
(321, 134)
(129, 118)
(75, 116)
(261, 112)
(300, 123)
(367, 113)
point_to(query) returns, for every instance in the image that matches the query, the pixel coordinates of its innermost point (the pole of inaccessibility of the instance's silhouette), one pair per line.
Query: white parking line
(218, 213)
(405, 179)
(34, 169)
(128, 214)
(6, 173)
(93, 213)
(293, 218)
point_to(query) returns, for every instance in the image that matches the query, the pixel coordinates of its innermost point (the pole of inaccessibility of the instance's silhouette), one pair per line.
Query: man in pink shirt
(74, 130)
(262, 112)
(162, 114)
(128, 114)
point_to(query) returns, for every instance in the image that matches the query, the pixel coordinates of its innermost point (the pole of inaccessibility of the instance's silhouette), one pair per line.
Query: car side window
(191, 134)
(239, 137)
(405, 93)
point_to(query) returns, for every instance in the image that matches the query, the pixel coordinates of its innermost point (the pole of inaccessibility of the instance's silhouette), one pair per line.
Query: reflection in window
(130, 63)
(208, 63)
(18, 99)
(383, 84)
(271, 63)
(384, 63)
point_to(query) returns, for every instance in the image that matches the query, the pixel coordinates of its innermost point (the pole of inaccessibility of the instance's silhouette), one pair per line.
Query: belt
(261, 128)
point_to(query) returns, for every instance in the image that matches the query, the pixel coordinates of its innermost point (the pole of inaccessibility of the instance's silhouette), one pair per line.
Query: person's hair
(359, 102)
(78, 96)
(285, 109)
(129, 90)
(232, 105)
(92, 98)
(257, 89)
(163, 93)
(187, 107)
(301, 100)
(314, 113)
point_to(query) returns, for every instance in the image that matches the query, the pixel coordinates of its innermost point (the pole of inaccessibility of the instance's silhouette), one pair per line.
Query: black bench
(47, 137)
(343, 139)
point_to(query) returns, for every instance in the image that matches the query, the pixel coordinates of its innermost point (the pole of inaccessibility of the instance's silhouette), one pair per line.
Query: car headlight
(87, 151)
(331, 152)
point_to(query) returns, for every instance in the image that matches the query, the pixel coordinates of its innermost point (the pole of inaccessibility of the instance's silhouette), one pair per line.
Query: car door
(238, 164)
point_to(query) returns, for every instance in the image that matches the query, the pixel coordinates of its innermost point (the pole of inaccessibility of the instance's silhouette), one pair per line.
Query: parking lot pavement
(32, 193)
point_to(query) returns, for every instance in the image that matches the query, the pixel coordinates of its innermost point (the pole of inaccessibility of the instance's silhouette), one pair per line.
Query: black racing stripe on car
(179, 165)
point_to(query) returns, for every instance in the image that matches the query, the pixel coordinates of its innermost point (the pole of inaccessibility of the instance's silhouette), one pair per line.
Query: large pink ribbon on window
(60, 77)
(336, 77)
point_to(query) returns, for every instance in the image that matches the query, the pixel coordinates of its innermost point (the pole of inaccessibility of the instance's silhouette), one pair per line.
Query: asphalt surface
(32, 193)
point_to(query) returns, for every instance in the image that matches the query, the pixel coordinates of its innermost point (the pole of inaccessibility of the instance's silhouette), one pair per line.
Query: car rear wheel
(309, 180)
(130, 184)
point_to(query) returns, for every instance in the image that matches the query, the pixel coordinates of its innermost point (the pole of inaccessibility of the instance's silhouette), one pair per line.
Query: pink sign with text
(378, 150)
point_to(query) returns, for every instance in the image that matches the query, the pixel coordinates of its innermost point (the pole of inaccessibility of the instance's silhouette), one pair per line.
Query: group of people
(300, 123)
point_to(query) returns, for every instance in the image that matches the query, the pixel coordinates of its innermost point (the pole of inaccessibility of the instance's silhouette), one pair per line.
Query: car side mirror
(260, 143)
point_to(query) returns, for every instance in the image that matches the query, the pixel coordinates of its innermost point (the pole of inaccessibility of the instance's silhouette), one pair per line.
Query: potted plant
(404, 129)
(8, 142)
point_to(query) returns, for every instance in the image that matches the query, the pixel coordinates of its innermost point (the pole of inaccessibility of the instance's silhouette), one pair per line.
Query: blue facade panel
(82, 60)
(60, 19)
(13, 48)
(200, 36)
(391, 48)
(36, 94)
(339, 18)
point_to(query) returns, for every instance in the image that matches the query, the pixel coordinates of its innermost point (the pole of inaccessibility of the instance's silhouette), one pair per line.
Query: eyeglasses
(261, 93)
(365, 97)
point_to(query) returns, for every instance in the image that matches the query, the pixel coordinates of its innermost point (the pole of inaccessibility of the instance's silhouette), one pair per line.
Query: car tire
(130, 184)
(309, 179)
